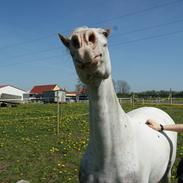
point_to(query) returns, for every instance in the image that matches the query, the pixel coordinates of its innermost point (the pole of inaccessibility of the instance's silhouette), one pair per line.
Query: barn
(48, 93)
(11, 93)
(40, 89)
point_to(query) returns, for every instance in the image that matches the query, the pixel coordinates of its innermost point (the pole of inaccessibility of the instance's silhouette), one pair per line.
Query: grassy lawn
(30, 148)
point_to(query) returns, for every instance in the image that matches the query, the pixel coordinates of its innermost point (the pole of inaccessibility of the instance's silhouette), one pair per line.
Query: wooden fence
(133, 100)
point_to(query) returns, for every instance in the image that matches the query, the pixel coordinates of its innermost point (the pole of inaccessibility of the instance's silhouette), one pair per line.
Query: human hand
(152, 124)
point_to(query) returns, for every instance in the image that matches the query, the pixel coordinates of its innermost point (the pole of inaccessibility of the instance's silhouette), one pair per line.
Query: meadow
(31, 149)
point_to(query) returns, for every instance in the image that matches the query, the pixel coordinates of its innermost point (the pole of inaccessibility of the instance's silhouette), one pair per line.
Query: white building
(11, 93)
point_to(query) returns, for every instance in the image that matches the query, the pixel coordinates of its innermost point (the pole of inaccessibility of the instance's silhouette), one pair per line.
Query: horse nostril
(75, 42)
(92, 38)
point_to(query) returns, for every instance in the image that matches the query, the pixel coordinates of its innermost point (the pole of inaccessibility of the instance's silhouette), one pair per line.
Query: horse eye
(105, 34)
(75, 42)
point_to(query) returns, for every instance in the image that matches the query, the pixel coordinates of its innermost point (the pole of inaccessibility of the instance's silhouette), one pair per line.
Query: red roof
(42, 88)
(83, 90)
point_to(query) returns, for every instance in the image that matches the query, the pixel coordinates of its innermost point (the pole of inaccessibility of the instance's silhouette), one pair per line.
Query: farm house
(48, 93)
(9, 93)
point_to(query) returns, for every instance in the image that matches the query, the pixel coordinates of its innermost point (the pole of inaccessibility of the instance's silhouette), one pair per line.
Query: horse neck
(109, 124)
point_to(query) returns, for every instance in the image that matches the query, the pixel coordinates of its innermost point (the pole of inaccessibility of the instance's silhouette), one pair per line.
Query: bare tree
(114, 84)
(80, 86)
(122, 87)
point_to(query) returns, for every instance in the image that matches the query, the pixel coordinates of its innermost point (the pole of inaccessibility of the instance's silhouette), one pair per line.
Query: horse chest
(123, 170)
(131, 177)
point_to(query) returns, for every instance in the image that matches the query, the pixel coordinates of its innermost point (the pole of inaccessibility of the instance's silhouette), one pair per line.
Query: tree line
(161, 93)
(122, 89)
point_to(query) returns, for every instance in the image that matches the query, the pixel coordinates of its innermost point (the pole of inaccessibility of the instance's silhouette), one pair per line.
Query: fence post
(133, 100)
(58, 114)
(171, 101)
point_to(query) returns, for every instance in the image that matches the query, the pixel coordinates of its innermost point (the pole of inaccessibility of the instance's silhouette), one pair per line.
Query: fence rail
(131, 100)
(178, 101)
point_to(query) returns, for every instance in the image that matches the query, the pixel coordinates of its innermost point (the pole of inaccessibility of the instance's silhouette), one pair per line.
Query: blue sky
(146, 44)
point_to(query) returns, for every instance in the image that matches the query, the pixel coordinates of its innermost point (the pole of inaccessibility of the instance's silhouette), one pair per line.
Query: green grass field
(31, 149)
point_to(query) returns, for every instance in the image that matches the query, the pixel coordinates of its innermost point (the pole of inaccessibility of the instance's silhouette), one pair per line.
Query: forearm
(175, 128)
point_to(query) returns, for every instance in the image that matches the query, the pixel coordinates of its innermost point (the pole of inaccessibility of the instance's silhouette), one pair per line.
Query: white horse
(122, 148)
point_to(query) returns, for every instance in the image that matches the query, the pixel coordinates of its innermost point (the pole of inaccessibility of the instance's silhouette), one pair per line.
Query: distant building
(83, 94)
(40, 89)
(47, 93)
(9, 93)
(54, 96)
(72, 96)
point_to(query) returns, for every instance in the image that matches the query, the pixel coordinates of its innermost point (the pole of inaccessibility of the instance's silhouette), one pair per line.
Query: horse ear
(107, 32)
(64, 40)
